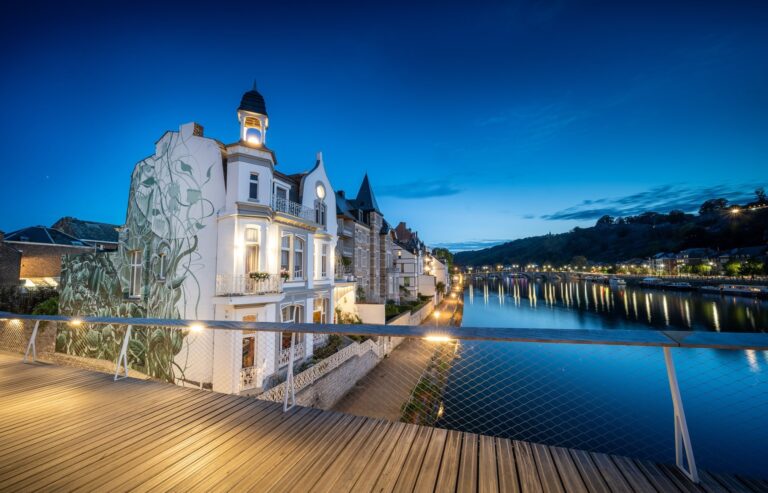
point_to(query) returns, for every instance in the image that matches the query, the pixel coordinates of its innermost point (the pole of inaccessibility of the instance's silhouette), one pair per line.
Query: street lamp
(437, 316)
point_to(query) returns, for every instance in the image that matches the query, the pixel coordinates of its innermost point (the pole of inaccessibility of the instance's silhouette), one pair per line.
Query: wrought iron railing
(292, 208)
(248, 286)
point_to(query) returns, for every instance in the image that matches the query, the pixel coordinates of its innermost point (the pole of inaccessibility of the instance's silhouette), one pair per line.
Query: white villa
(215, 232)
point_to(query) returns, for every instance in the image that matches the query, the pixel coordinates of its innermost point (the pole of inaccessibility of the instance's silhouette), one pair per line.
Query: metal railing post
(123, 357)
(682, 437)
(32, 344)
(289, 387)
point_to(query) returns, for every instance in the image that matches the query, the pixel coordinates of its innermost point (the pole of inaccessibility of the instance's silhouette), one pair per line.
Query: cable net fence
(603, 398)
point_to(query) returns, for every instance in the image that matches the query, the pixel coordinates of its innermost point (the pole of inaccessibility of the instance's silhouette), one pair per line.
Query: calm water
(610, 398)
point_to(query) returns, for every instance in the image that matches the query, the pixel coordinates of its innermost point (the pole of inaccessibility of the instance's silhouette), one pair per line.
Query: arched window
(321, 212)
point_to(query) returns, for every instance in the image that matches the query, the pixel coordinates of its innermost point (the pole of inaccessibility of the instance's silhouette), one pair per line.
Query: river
(612, 399)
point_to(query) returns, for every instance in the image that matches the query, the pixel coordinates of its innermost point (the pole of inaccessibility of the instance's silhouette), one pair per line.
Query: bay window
(251, 251)
(292, 256)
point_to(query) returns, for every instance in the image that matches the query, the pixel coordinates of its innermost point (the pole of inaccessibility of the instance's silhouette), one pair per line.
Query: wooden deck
(64, 429)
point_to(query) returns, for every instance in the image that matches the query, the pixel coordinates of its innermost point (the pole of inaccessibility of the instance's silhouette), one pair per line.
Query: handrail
(651, 338)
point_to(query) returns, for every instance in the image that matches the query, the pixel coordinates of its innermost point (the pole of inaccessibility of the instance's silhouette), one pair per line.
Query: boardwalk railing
(691, 398)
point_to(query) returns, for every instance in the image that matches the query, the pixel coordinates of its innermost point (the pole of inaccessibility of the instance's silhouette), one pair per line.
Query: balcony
(293, 209)
(246, 286)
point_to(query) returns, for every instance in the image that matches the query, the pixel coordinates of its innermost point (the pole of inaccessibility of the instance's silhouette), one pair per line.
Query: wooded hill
(611, 240)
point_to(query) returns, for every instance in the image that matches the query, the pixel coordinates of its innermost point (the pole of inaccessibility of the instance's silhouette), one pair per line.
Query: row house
(215, 231)
(365, 245)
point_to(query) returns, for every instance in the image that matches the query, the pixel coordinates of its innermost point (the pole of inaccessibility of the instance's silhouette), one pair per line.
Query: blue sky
(475, 121)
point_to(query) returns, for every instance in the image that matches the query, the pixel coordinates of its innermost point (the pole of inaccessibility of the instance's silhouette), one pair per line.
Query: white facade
(259, 248)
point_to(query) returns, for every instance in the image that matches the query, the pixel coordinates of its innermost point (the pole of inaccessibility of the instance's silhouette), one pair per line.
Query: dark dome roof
(253, 101)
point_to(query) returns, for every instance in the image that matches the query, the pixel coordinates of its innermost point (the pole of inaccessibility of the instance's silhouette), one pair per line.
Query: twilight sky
(476, 122)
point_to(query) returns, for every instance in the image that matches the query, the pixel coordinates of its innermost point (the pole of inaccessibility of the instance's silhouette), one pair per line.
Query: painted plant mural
(167, 212)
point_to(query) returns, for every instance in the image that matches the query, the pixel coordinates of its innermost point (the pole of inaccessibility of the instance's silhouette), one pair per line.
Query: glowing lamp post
(437, 316)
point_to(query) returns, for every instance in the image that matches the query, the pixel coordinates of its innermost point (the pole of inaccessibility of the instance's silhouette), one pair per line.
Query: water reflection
(625, 307)
(612, 399)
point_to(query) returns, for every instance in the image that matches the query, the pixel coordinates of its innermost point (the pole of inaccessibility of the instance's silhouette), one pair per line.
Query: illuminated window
(251, 250)
(298, 258)
(291, 314)
(136, 273)
(320, 313)
(292, 256)
(324, 261)
(249, 344)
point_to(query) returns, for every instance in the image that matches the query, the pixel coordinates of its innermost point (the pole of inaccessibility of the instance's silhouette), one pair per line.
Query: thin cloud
(658, 199)
(420, 189)
(461, 246)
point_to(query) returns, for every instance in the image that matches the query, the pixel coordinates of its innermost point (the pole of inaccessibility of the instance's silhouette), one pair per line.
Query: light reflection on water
(587, 305)
(608, 398)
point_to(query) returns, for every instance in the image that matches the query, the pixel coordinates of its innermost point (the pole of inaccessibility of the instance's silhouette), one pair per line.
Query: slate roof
(43, 234)
(253, 101)
(88, 230)
(366, 200)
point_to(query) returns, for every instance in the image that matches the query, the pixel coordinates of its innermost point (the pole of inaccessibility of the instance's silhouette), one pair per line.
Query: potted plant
(284, 275)
(259, 276)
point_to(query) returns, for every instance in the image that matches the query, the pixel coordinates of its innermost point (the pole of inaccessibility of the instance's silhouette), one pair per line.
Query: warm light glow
(76, 322)
(196, 327)
(437, 338)
(735, 211)
(320, 190)
(254, 139)
(437, 314)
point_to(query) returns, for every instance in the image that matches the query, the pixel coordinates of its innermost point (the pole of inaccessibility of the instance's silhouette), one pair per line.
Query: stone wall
(326, 391)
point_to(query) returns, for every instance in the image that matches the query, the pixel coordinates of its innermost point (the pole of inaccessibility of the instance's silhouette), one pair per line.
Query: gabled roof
(365, 200)
(42, 234)
(88, 230)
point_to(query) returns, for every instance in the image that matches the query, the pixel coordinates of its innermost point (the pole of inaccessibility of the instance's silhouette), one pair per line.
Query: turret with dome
(254, 121)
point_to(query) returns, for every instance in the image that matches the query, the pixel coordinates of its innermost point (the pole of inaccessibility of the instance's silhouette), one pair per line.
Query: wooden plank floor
(66, 429)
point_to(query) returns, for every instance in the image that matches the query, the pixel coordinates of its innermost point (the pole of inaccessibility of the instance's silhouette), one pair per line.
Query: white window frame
(324, 248)
(137, 274)
(295, 272)
(253, 179)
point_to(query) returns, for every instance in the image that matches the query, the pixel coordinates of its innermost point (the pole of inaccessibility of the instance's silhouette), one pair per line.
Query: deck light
(438, 338)
(196, 327)
(76, 322)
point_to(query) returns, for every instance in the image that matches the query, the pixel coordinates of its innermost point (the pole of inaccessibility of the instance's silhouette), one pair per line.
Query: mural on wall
(167, 211)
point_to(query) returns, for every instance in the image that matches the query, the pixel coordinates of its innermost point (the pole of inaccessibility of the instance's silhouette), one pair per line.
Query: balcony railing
(247, 286)
(285, 353)
(291, 208)
(250, 377)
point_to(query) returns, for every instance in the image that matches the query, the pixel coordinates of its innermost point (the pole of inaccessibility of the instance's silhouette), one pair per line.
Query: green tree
(732, 267)
(579, 261)
(605, 220)
(760, 195)
(440, 288)
(712, 205)
(444, 255)
(752, 267)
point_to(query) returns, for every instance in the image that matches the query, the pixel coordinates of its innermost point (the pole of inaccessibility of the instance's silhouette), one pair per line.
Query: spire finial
(255, 88)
